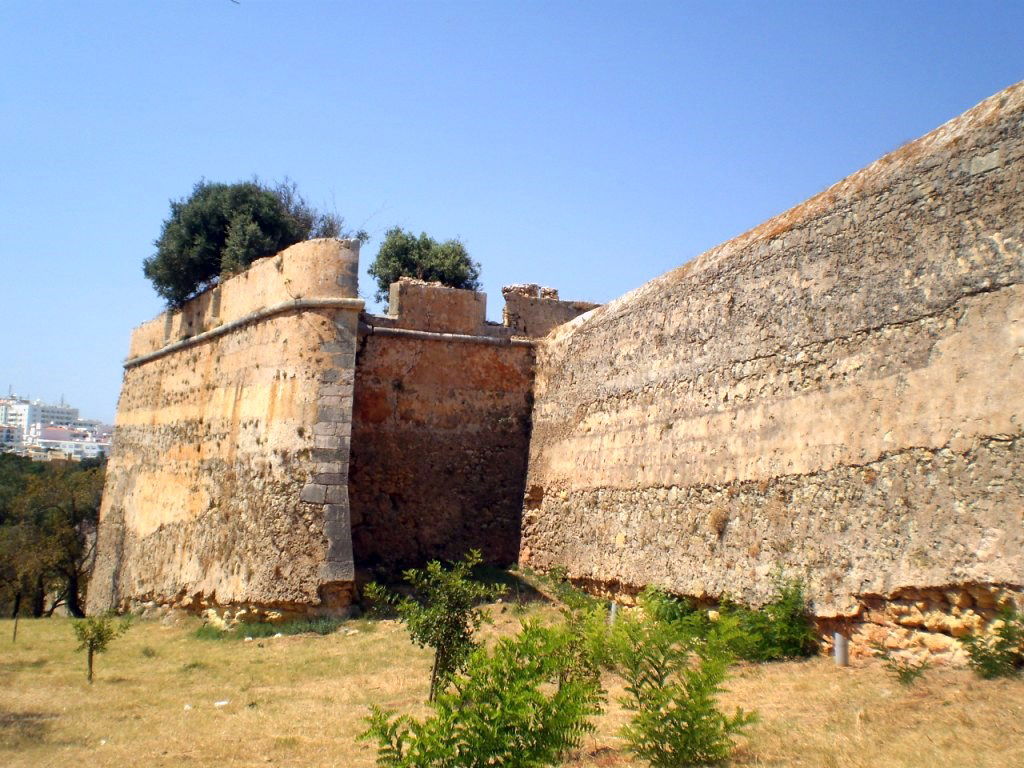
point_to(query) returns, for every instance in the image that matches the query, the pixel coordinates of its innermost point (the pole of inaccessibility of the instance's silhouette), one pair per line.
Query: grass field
(299, 701)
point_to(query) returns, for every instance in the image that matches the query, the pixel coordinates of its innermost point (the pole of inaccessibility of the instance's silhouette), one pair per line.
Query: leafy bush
(672, 681)
(682, 612)
(520, 706)
(220, 229)
(94, 635)
(781, 629)
(402, 254)
(999, 653)
(441, 613)
(903, 668)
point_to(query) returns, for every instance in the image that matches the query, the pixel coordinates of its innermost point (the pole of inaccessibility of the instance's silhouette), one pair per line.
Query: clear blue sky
(589, 146)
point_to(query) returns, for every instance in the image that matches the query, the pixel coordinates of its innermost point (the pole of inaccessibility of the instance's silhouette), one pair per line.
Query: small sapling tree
(95, 634)
(522, 705)
(442, 613)
(672, 683)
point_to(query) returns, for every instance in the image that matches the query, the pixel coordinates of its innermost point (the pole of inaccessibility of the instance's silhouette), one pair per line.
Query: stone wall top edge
(870, 178)
(324, 268)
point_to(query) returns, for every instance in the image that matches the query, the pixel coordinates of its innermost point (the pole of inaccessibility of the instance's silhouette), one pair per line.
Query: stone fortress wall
(838, 393)
(229, 485)
(228, 481)
(835, 395)
(440, 431)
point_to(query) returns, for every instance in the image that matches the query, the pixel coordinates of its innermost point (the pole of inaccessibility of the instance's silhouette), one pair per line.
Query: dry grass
(298, 701)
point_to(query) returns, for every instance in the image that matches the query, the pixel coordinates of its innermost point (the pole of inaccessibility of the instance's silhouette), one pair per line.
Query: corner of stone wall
(328, 481)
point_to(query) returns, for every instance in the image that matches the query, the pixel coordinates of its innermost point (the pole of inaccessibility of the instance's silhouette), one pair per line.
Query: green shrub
(403, 254)
(442, 613)
(781, 629)
(903, 668)
(681, 612)
(672, 681)
(520, 706)
(94, 635)
(1000, 652)
(220, 229)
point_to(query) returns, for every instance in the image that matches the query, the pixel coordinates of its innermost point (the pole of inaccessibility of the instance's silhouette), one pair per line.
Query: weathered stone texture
(439, 444)
(219, 489)
(425, 306)
(534, 311)
(836, 392)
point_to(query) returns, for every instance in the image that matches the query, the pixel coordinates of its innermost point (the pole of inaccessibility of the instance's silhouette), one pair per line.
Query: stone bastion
(836, 395)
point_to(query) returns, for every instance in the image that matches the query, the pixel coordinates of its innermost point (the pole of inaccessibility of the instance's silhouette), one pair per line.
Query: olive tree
(403, 254)
(220, 229)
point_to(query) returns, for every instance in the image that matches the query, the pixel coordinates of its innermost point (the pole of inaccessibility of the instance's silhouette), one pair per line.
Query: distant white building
(39, 429)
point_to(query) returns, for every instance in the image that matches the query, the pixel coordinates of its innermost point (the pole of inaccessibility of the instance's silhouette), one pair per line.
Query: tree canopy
(220, 229)
(402, 254)
(48, 515)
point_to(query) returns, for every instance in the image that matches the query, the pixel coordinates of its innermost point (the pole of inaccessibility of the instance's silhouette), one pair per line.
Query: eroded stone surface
(227, 450)
(836, 393)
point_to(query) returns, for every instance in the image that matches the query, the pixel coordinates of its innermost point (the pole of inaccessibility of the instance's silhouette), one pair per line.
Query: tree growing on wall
(220, 229)
(402, 254)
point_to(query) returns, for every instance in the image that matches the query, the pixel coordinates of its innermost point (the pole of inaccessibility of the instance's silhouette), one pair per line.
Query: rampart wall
(228, 479)
(836, 393)
(440, 431)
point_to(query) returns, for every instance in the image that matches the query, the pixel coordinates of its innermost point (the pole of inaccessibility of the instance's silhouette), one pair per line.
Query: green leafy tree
(402, 254)
(672, 683)
(520, 706)
(441, 613)
(220, 229)
(95, 634)
(47, 535)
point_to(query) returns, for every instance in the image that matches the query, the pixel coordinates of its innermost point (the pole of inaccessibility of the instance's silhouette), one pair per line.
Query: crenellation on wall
(426, 306)
(533, 310)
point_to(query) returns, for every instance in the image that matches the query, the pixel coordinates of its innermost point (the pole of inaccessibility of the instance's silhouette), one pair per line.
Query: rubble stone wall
(228, 480)
(440, 436)
(836, 394)
(534, 311)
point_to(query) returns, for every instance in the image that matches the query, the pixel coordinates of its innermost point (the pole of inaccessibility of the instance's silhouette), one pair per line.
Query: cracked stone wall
(836, 393)
(228, 480)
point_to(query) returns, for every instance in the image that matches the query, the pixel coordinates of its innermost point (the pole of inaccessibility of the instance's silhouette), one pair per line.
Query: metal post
(841, 649)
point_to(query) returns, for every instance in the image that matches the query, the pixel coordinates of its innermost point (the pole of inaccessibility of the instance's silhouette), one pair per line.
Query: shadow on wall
(440, 436)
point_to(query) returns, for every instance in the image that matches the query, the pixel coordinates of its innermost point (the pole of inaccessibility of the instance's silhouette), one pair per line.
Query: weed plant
(1000, 652)
(903, 668)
